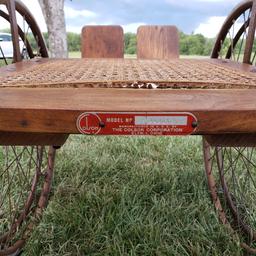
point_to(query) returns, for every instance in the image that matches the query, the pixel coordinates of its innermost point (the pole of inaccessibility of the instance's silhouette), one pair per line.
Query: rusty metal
(14, 31)
(234, 15)
(250, 36)
(21, 227)
(229, 196)
(208, 158)
(43, 200)
(237, 38)
(24, 212)
(2, 55)
(29, 18)
(21, 34)
(226, 201)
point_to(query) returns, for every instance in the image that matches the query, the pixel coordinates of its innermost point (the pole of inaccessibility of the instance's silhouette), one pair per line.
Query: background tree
(53, 11)
(74, 42)
(130, 43)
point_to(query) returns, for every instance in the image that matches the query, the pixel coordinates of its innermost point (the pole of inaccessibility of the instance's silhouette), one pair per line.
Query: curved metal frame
(212, 185)
(21, 34)
(29, 18)
(234, 15)
(37, 212)
(237, 37)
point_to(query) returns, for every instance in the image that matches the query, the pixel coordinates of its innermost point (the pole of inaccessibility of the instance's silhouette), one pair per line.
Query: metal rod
(251, 35)
(1, 51)
(14, 30)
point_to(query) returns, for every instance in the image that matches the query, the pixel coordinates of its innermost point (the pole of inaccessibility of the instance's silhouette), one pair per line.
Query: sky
(190, 16)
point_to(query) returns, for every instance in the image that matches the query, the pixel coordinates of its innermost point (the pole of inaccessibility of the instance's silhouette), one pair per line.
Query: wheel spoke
(237, 172)
(3, 56)
(234, 168)
(25, 171)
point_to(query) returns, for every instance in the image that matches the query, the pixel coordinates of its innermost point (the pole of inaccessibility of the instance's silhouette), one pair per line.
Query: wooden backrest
(157, 42)
(102, 42)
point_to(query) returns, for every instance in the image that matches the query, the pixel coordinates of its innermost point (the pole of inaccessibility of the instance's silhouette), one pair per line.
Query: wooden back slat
(157, 42)
(102, 42)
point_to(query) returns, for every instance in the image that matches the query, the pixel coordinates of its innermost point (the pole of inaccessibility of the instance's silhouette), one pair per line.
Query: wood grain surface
(56, 111)
(232, 140)
(102, 42)
(29, 139)
(157, 42)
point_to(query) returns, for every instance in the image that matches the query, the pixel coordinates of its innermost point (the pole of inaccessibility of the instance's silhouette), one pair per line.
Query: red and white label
(165, 124)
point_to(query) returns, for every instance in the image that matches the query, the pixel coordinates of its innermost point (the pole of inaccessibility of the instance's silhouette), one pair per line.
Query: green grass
(2, 62)
(74, 54)
(194, 57)
(130, 196)
(131, 56)
(78, 55)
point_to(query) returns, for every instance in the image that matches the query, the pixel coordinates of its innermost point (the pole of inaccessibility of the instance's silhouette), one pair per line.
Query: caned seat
(102, 42)
(157, 42)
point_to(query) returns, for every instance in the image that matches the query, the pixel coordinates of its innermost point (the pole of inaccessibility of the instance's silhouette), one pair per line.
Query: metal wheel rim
(29, 210)
(25, 172)
(232, 43)
(29, 18)
(234, 15)
(232, 191)
(223, 198)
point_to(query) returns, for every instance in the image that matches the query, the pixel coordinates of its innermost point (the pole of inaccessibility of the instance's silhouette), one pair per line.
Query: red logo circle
(89, 124)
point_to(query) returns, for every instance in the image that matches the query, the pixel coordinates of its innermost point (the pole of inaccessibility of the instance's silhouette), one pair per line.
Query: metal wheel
(25, 171)
(25, 178)
(231, 175)
(230, 163)
(232, 42)
(30, 39)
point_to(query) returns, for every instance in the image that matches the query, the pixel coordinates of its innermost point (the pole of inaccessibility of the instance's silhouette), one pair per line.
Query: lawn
(130, 56)
(130, 196)
(78, 55)
(74, 54)
(2, 62)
